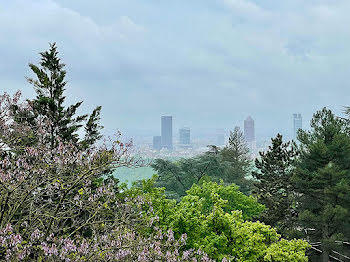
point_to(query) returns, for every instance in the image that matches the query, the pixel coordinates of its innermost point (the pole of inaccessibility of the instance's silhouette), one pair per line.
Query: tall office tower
(167, 132)
(249, 129)
(297, 123)
(185, 136)
(157, 142)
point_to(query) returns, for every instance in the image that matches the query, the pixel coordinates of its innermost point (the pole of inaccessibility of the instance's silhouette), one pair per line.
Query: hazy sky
(209, 63)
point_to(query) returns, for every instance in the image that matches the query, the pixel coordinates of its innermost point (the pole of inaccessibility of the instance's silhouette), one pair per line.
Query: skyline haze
(210, 64)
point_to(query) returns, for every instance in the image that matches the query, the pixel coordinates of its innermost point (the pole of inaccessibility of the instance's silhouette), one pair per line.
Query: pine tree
(322, 179)
(273, 186)
(237, 154)
(92, 128)
(49, 104)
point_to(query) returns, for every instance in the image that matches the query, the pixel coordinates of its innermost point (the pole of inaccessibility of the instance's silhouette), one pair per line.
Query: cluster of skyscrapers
(165, 141)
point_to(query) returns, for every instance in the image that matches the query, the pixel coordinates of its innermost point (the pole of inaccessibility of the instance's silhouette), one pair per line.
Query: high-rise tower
(297, 124)
(249, 129)
(167, 132)
(185, 136)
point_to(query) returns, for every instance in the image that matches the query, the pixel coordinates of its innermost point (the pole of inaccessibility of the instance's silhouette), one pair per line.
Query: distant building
(185, 136)
(297, 124)
(167, 132)
(157, 142)
(249, 130)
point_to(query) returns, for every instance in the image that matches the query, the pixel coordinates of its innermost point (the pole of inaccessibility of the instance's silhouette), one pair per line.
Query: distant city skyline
(217, 136)
(234, 59)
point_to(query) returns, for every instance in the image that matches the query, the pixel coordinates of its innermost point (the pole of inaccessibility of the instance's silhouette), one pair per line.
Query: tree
(54, 205)
(233, 197)
(50, 85)
(237, 154)
(179, 176)
(273, 187)
(322, 179)
(214, 218)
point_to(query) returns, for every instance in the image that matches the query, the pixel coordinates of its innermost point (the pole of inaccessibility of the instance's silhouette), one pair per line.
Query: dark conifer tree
(236, 152)
(322, 179)
(92, 128)
(49, 104)
(273, 186)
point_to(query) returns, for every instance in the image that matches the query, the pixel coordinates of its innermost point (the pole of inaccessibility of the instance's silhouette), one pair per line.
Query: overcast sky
(209, 63)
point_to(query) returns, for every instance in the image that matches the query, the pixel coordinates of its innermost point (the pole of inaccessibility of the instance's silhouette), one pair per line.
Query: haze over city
(209, 64)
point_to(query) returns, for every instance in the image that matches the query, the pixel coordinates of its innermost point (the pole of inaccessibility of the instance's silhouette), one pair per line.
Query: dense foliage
(215, 219)
(179, 176)
(322, 179)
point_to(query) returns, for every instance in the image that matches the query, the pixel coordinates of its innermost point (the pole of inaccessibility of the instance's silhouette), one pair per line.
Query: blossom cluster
(119, 245)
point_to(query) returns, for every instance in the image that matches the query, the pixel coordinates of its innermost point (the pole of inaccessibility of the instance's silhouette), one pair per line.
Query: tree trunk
(325, 246)
(325, 255)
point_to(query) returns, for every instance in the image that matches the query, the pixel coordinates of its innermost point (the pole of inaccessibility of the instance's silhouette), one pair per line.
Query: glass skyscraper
(167, 132)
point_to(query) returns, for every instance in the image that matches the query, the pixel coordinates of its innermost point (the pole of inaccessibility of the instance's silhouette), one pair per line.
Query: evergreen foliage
(49, 104)
(322, 179)
(237, 154)
(273, 186)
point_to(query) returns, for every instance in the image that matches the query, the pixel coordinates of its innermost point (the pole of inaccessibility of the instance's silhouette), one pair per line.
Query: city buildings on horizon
(185, 136)
(185, 144)
(157, 142)
(297, 124)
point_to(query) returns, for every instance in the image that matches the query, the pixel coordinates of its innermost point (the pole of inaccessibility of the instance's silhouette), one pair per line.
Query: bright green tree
(233, 197)
(322, 179)
(214, 218)
(273, 186)
(202, 215)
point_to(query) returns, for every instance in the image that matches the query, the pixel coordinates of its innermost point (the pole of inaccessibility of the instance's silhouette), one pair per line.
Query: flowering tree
(56, 203)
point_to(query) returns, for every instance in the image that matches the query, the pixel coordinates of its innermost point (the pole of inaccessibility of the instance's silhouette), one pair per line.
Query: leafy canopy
(214, 218)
